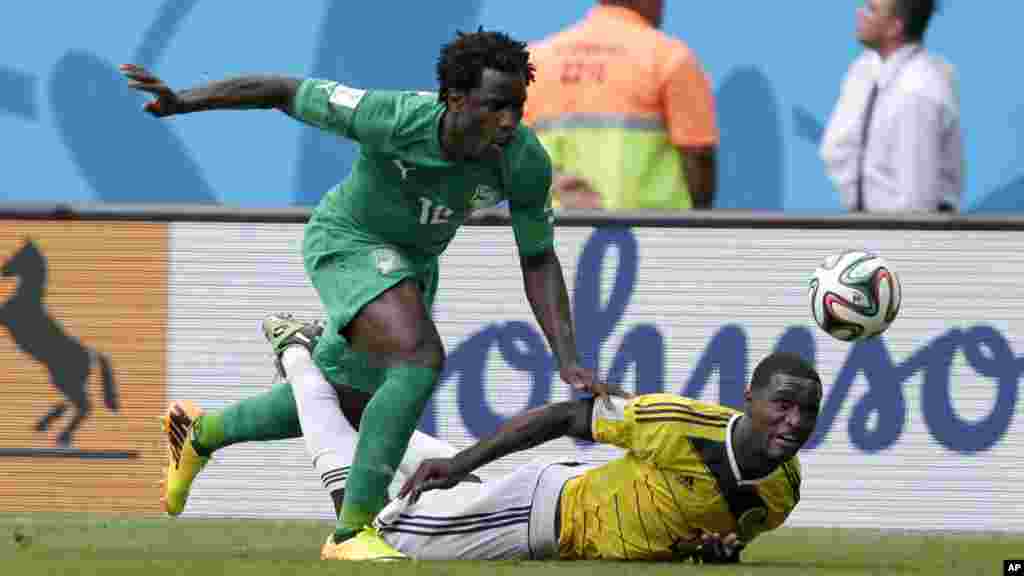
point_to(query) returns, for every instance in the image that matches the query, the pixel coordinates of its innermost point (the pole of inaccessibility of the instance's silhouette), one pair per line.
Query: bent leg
(394, 329)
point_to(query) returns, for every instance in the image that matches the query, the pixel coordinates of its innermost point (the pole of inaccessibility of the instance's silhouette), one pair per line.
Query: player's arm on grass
(241, 93)
(522, 432)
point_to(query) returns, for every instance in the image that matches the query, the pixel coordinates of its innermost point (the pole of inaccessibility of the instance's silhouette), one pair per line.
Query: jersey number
(577, 71)
(433, 214)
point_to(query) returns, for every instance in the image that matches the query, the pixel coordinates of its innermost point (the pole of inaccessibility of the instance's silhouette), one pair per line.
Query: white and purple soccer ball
(854, 295)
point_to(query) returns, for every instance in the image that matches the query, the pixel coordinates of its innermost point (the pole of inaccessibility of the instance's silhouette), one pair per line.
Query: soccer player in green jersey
(371, 246)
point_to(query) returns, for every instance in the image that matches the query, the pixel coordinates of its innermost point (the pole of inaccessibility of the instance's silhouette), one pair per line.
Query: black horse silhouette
(37, 334)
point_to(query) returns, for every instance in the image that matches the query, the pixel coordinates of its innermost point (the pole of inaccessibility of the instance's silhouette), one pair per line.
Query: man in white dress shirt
(893, 142)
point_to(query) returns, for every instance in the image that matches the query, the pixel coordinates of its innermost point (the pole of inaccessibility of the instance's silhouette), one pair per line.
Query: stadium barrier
(114, 310)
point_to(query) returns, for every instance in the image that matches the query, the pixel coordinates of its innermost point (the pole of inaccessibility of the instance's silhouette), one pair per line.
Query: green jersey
(402, 191)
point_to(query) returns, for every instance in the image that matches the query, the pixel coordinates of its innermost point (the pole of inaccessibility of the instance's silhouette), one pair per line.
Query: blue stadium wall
(72, 131)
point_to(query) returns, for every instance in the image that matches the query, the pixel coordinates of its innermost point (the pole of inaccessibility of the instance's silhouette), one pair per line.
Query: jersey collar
(435, 141)
(740, 481)
(891, 66)
(620, 13)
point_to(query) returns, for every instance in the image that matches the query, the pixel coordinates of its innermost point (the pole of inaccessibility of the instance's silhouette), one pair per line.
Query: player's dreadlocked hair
(463, 60)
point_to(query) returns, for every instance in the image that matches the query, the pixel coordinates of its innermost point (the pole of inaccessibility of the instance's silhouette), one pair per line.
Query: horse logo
(40, 336)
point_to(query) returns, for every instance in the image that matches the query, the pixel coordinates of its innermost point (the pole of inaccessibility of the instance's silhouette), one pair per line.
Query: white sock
(330, 439)
(421, 447)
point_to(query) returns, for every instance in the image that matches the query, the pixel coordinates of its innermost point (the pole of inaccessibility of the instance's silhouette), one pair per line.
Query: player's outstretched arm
(545, 288)
(523, 432)
(241, 93)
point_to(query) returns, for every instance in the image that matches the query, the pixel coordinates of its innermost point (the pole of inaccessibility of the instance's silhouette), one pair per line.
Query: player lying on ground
(694, 471)
(371, 246)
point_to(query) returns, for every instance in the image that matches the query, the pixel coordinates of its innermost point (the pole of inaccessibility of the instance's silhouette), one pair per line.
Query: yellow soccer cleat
(183, 464)
(367, 545)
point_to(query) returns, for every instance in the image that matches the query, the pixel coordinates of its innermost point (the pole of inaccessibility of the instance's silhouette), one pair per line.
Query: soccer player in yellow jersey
(697, 480)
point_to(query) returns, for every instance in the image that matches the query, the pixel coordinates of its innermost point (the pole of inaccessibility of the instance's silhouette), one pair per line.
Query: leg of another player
(273, 415)
(508, 518)
(193, 435)
(330, 438)
(270, 415)
(394, 328)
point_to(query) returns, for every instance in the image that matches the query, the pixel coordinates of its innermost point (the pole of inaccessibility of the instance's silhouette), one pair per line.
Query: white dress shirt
(914, 154)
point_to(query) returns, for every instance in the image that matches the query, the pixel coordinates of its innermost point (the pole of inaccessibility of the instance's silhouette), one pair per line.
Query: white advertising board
(920, 429)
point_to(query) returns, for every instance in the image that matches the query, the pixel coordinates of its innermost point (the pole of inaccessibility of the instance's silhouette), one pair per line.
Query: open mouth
(788, 441)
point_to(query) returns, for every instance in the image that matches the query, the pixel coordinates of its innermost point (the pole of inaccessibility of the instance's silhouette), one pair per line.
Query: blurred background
(73, 131)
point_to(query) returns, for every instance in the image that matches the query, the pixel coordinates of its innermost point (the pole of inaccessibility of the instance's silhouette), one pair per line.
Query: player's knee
(421, 347)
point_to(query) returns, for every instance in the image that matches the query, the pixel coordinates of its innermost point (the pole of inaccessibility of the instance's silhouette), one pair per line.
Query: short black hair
(915, 15)
(463, 60)
(785, 363)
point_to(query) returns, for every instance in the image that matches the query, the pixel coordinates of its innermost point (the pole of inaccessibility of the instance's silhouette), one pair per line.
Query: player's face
(489, 115)
(784, 413)
(875, 22)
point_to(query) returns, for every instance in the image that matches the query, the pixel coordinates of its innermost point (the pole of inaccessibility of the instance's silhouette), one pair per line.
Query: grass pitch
(82, 544)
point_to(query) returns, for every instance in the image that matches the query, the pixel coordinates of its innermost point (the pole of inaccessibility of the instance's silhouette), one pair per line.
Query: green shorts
(349, 269)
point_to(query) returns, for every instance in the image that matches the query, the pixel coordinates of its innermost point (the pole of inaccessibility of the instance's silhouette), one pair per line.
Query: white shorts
(511, 518)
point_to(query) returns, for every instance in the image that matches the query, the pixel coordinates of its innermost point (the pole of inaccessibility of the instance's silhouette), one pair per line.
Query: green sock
(384, 432)
(271, 415)
(208, 433)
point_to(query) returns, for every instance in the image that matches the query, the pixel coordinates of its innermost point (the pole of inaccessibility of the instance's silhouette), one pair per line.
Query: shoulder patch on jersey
(387, 261)
(346, 96)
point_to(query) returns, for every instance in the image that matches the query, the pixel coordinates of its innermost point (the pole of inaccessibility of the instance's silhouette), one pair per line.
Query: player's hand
(166, 103)
(583, 380)
(575, 192)
(432, 474)
(717, 550)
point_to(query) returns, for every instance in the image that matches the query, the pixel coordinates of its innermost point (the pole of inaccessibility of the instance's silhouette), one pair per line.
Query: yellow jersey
(678, 479)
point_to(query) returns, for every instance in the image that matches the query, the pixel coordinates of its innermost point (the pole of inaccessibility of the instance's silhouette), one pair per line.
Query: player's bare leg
(394, 328)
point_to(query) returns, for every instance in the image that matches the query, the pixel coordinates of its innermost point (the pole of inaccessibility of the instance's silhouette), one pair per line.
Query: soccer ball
(854, 295)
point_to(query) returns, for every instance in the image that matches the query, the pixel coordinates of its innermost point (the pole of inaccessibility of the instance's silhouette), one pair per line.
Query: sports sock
(421, 447)
(330, 439)
(338, 498)
(268, 416)
(387, 425)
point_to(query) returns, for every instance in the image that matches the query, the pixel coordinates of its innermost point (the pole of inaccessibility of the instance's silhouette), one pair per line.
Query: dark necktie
(864, 146)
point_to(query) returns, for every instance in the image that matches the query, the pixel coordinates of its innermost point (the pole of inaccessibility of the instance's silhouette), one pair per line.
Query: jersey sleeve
(612, 421)
(656, 427)
(689, 103)
(368, 117)
(781, 494)
(533, 220)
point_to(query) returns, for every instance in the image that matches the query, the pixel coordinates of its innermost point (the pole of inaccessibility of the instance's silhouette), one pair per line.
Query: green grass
(80, 544)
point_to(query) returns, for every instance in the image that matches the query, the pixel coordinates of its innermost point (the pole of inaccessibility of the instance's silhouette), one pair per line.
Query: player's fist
(714, 549)
(575, 192)
(583, 380)
(580, 378)
(166, 102)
